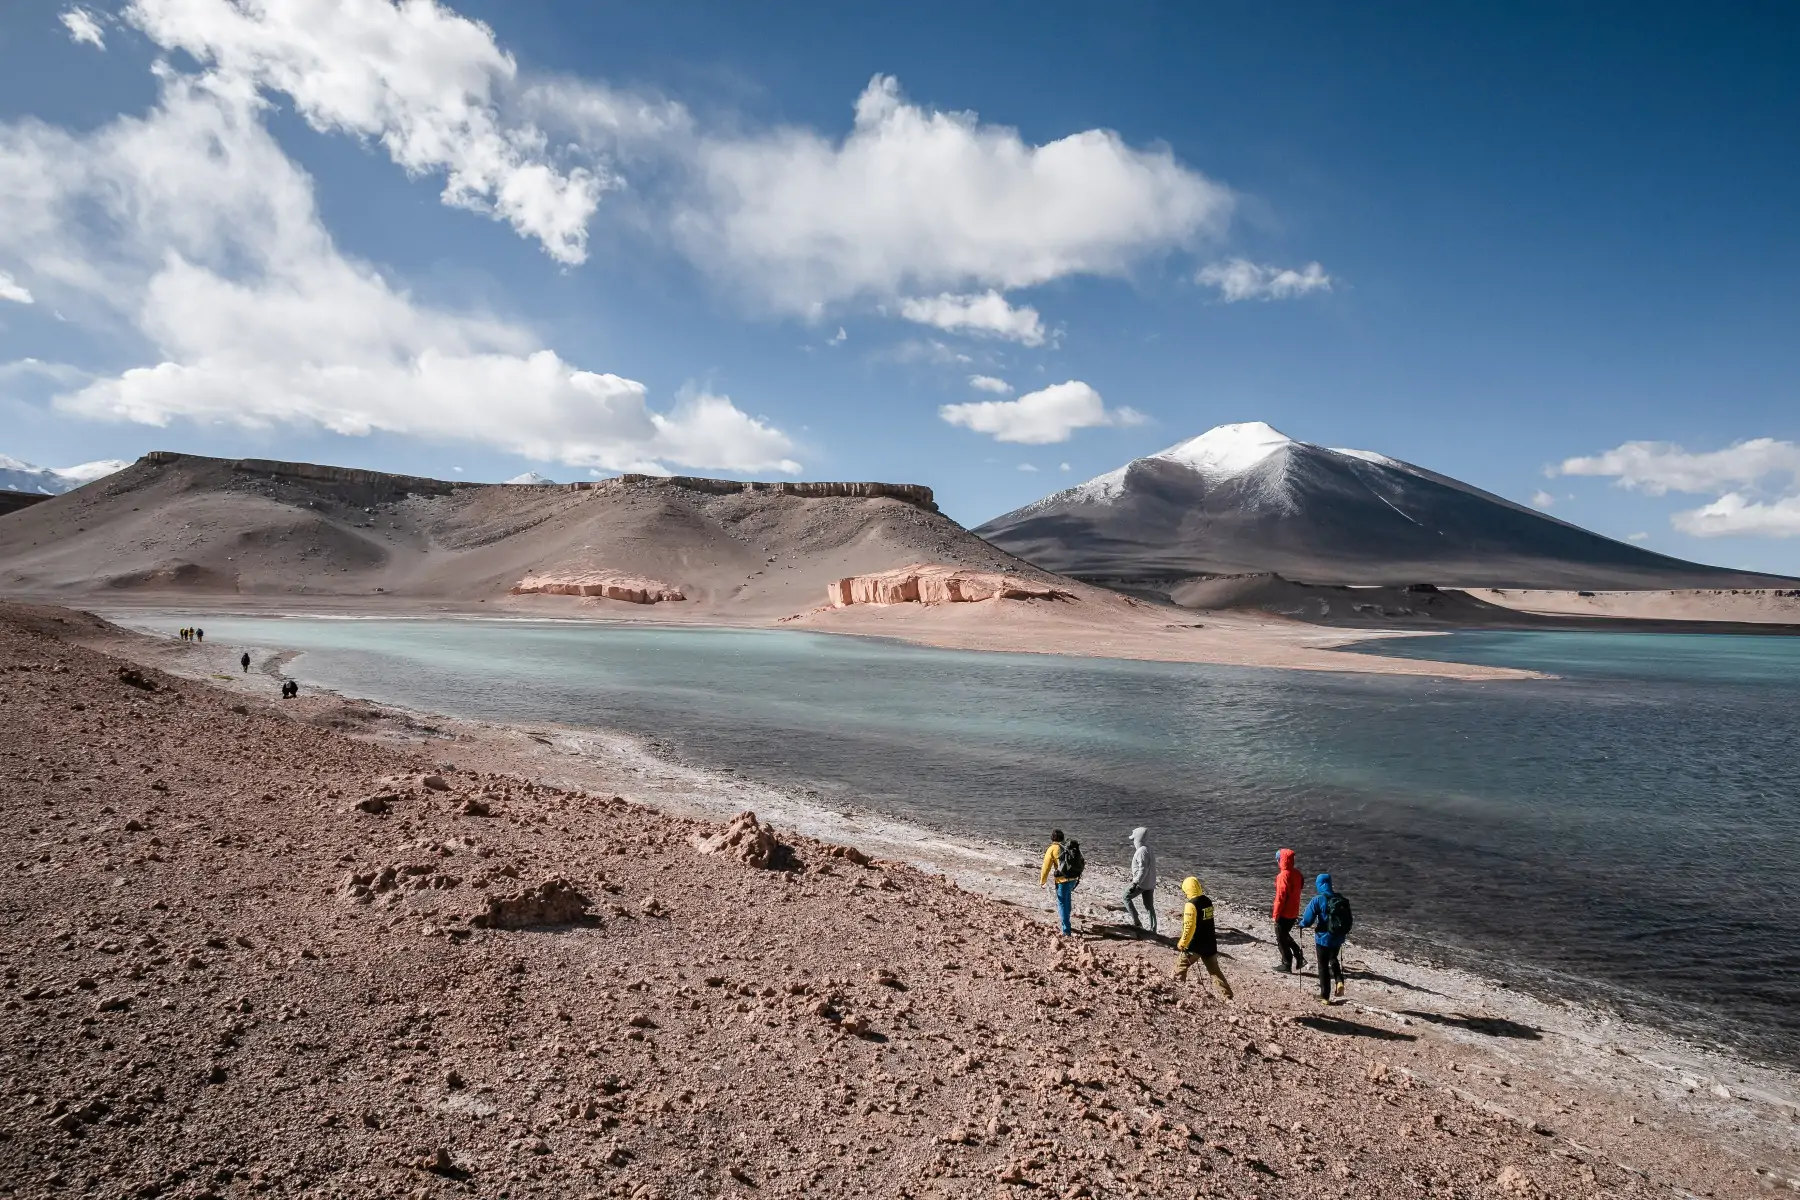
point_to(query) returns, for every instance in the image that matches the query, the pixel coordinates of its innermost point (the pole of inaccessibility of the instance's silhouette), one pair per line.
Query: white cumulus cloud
(1736, 514)
(1660, 467)
(1027, 467)
(415, 77)
(1240, 279)
(1757, 478)
(1542, 499)
(987, 314)
(990, 383)
(11, 289)
(1040, 418)
(83, 28)
(918, 199)
(191, 226)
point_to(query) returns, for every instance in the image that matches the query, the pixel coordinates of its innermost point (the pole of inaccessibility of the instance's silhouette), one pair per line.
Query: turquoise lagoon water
(1625, 835)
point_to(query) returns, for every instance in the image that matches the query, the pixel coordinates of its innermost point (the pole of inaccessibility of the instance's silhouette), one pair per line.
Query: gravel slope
(222, 974)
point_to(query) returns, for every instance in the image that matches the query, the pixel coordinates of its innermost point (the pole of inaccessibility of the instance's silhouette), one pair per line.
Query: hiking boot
(1337, 989)
(1283, 968)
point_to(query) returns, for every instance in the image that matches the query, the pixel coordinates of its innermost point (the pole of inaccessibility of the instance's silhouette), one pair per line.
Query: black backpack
(1337, 915)
(1070, 865)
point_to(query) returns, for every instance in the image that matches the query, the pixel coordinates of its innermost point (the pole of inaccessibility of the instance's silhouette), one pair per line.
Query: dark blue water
(1626, 835)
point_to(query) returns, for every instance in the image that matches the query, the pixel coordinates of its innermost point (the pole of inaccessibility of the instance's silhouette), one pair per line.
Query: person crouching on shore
(1199, 940)
(1062, 862)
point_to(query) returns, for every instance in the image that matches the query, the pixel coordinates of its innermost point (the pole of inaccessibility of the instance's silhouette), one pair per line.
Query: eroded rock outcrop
(604, 584)
(934, 583)
(555, 901)
(749, 841)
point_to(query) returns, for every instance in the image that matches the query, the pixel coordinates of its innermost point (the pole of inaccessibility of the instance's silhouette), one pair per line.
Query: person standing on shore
(1290, 885)
(245, 662)
(199, 635)
(1329, 917)
(1199, 939)
(1062, 863)
(1143, 879)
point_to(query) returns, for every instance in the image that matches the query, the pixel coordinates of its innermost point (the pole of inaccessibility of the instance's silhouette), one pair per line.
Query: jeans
(1065, 900)
(1329, 966)
(1148, 896)
(1291, 956)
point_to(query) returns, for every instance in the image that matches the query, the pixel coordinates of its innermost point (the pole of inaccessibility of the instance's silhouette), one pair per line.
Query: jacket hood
(1138, 835)
(1284, 859)
(1323, 883)
(1192, 887)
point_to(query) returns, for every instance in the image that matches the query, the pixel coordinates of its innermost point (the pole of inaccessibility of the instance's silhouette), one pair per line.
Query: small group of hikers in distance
(289, 688)
(1327, 914)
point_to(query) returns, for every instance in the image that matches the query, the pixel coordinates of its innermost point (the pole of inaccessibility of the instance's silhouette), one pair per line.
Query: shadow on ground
(1377, 977)
(1120, 932)
(1491, 1026)
(1346, 1028)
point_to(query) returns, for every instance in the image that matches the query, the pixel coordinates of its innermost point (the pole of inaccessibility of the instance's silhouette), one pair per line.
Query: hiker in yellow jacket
(1198, 938)
(1062, 862)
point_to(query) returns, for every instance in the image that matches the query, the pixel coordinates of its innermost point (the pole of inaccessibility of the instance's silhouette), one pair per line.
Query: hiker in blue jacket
(1328, 916)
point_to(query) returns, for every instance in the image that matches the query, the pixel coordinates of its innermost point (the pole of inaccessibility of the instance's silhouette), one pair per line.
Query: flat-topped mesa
(934, 583)
(911, 493)
(385, 484)
(601, 584)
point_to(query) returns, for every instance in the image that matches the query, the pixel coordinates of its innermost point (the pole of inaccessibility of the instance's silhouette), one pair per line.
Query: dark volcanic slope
(11, 501)
(1244, 499)
(208, 526)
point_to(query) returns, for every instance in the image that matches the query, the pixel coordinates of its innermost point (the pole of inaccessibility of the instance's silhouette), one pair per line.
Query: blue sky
(1548, 249)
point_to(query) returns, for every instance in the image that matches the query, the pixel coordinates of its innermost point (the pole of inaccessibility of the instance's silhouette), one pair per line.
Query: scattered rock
(436, 783)
(133, 677)
(749, 841)
(375, 805)
(474, 806)
(555, 901)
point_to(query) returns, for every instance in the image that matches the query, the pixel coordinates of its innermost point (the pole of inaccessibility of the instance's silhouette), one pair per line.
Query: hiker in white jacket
(1143, 879)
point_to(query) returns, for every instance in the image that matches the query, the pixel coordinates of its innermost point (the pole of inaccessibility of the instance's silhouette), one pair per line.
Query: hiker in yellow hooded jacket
(1198, 938)
(1062, 864)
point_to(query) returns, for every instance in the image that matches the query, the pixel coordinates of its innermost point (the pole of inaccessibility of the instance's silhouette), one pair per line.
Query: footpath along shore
(263, 948)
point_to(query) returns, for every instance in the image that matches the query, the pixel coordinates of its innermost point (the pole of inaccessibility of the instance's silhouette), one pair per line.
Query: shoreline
(1134, 632)
(1570, 1049)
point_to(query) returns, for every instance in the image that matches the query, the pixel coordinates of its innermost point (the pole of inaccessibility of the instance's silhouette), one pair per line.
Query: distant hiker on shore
(245, 662)
(1290, 885)
(289, 689)
(199, 635)
(1329, 917)
(1143, 879)
(1199, 940)
(1063, 863)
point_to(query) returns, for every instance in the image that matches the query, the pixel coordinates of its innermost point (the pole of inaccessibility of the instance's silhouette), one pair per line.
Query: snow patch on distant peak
(531, 479)
(90, 471)
(1368, 456)
(20, 476)
(1228, 450)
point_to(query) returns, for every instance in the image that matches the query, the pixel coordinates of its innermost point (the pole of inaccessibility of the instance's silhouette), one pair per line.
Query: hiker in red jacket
(1289, 884)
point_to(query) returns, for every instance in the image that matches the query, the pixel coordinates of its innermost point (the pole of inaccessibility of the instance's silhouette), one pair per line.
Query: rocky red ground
(242, 954)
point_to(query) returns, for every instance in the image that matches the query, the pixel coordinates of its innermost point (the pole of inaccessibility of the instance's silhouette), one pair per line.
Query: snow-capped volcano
(16, 476)
(1247, 498)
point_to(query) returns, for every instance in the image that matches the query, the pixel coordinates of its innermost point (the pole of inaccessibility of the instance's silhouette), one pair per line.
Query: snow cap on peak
(1228, 449)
